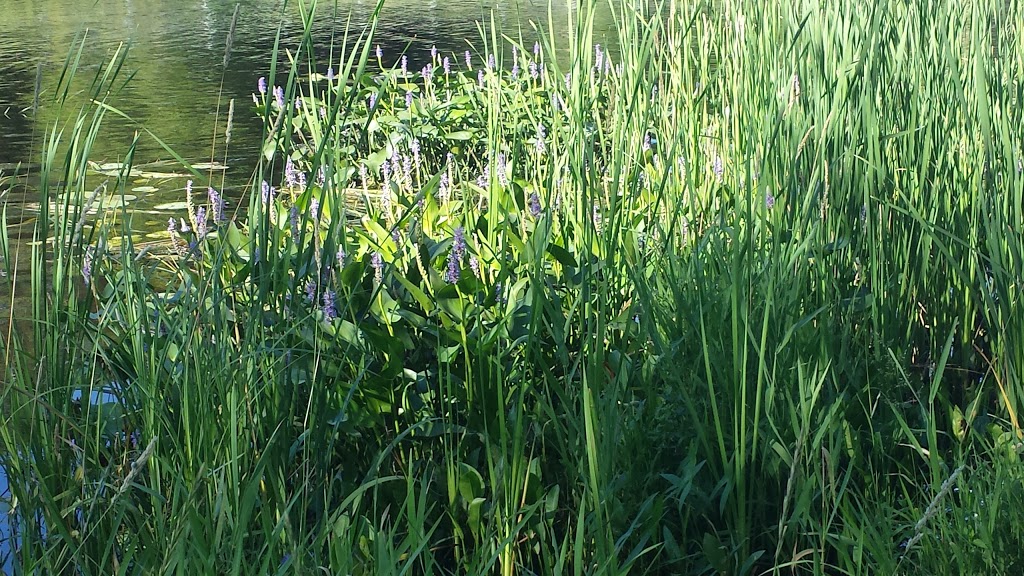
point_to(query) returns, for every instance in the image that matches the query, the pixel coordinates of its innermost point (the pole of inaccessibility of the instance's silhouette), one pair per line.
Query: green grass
(743, 300)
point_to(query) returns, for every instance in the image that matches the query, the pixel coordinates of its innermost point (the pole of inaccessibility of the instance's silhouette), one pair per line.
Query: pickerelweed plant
(740, 296)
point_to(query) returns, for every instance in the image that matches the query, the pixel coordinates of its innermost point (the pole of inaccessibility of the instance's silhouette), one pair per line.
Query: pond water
(175, 58)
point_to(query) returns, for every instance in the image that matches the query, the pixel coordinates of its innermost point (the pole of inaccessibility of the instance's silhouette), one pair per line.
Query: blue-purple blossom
(327, 305)
(396, 236)
(541, 135)
(433, 52)
(408, 99)
(446, 64)
(405, 65)
(427, 72)
(718, 167)
(458, 250)
(533, 70)
(340, 257)
(330, 74)
(217, 205)
(291, 175)
(515, 62)
(373, 100)
(321, 177)
(380, 53)
(474, 265)
(172, 228)
(261, 84)
(310, 291)
(490, 61)
(314, 209)
(480, 77)
(598, 58)
(568, 80)
(647, 141)
(377, 262)
(201, 222)
(769, 200)
(279, 96)
(535, 208)
(536, 49)
(469, 61)
(293, 218)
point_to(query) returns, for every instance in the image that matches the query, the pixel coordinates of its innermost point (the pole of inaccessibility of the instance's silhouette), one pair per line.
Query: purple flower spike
(469, 61)
(330, 313)
(377, 262)
(330, 75)
(539, 144)
(291, 175)
(535, 208)
(433, 52)
(380, 53)
(408, 99)
(314, 209)
(769, 201)
(474, 265)
(490, 62)
(217, 205)
(293, 217)
(451, 273)
(459, 242)
(201, 222)
(279, 96)
(405, 65)
(447, 65)
(310, 291)
(261, 84)
(536, 49)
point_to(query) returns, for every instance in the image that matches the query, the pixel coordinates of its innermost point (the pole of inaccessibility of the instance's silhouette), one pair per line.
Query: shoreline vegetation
(743, 298)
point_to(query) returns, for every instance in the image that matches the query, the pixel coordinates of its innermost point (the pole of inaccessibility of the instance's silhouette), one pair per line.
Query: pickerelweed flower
(533, 70)
(314, 209)
(452, 272)
(372, 100)
(327, 305)
(433, 52)
(330, 74)
(340, 257)
(427, 72)
(321, 177)
(405, 65)
(474, 265)
(279, 96)
(535, 208)
(490, 62)
(469, 61)
(536, 49)
(598, 58)
(261, 85)
(541, 135)
(568, 81)
(291, 175)
(310, 291)
(408, 99)
(377, 262)
(380, 53)
(480, 78)
(201, 222)
(217, 205)
(718, 167)
(515, 63)
(769, 200)
(446, 64)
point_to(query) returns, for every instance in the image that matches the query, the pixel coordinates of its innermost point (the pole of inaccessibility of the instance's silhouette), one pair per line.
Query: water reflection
(176, 55)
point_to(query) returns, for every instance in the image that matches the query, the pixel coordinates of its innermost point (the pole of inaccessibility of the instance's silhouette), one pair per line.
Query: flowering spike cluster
(87, 265)
(535, 208)
(377, 262)
(314, 209)
(261, 85)
(455, 256)
(446, 64)
(216, 205)
(291, 175)
(279, 96)
(200, 222)
(539, 145)
(718, 168)
(327, 305)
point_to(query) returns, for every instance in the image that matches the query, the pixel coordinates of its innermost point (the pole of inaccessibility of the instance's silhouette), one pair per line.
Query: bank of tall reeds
(742, 296)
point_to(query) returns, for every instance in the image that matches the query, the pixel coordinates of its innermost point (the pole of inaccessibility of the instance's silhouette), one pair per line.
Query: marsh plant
(739, 296)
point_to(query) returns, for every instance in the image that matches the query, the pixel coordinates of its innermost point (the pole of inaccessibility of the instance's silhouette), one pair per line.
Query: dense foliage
(742, 296)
